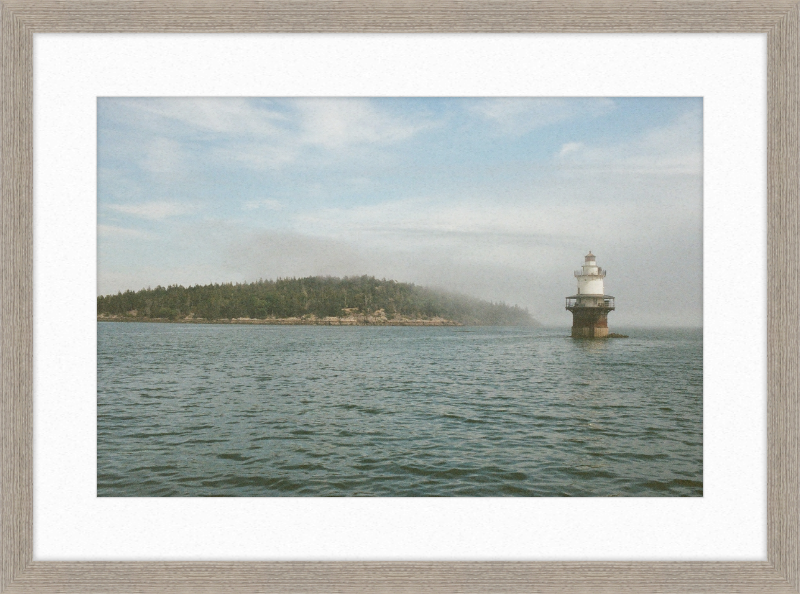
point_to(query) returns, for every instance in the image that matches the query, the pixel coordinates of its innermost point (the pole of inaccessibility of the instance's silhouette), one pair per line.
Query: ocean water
(264, 411)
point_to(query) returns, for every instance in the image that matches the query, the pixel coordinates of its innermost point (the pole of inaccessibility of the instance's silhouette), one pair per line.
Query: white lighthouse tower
(590, 306)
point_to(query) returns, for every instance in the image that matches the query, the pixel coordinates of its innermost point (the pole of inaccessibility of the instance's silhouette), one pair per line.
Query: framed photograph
(360, 297)
(316, 312)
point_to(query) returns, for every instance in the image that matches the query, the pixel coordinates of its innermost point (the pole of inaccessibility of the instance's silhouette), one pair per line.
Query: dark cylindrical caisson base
(589, 322)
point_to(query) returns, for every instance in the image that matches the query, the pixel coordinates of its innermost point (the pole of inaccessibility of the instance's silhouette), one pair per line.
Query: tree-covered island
(362, 300)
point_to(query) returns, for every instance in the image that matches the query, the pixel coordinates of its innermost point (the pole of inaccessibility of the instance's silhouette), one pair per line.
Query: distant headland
(316, 300)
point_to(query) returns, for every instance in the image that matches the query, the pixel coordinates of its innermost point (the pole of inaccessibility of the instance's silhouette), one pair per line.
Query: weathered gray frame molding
(20, 20)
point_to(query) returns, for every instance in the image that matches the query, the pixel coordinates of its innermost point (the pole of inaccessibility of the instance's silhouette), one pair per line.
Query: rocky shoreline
(352, 320)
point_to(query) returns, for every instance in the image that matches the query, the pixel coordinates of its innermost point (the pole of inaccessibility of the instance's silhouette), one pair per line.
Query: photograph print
(400, 297)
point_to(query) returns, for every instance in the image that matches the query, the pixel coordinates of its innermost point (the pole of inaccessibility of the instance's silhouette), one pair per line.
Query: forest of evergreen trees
(318, 296)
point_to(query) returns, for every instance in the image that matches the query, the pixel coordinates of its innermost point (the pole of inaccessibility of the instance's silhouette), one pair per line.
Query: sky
(499, 198)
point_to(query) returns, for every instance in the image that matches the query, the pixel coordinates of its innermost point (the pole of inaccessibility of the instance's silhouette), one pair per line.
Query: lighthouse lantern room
(591, 305)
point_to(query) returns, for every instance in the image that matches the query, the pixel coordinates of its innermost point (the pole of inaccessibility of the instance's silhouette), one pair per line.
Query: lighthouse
(591, 305)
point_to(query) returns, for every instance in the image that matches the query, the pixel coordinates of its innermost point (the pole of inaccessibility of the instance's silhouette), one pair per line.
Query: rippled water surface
(225, 410)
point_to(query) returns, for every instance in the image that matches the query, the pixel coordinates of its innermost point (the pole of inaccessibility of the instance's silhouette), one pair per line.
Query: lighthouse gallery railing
(600, 273)
(574, 302)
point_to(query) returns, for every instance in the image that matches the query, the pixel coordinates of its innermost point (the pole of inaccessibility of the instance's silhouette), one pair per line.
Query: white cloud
(519, 116)
(117, 184)
(163, 156)
(122, 232)
(676, 148)
(154, 211)
(257, 156)
(336, 123)
(266, 204)
(260, 137)
(570, 147)
(517, 226)
(225, 116)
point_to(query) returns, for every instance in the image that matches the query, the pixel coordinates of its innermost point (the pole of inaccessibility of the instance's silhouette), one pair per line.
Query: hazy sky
(496, 198)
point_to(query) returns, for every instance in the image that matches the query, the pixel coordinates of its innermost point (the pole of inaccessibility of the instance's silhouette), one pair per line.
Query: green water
(263, 411)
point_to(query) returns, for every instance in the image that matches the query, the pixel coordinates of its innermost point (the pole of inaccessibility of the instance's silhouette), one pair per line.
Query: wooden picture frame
(779, 20)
